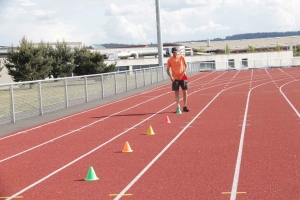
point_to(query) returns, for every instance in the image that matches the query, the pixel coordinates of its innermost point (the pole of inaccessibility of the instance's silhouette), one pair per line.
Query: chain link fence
(26, 99)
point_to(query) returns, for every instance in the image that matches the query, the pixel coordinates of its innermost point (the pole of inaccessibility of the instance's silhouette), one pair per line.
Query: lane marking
(240, 151)
(113, 195)
(230, 192)
(296, 111)
(17, 197)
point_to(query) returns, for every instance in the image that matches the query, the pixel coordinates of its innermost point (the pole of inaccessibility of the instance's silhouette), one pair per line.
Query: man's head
(174, 51)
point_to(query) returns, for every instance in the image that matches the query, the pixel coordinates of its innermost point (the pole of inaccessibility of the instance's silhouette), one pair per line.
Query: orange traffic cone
(127, 148)
(167, 120)
(150, 131)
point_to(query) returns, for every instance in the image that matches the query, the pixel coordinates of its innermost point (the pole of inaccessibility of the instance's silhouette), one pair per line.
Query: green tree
(62, 64)
(297, 51)
(87, 62)
(202, 50)
(0, 67)
(227, 49)
(251, 49)
(27, 62)
(277, 48)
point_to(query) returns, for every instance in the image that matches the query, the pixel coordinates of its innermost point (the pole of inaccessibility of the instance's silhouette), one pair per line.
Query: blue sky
(133, 21)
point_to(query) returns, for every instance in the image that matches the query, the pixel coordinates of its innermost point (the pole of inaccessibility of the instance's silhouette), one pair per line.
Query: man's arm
(168, 72)
(185, 66)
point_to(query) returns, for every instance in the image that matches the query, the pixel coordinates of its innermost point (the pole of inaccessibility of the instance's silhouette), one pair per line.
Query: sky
(134, 21)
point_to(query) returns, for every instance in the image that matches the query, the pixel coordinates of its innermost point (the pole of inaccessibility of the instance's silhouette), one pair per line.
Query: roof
(244, 44)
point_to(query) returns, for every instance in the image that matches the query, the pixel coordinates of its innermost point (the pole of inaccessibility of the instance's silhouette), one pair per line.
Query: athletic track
(241, 140)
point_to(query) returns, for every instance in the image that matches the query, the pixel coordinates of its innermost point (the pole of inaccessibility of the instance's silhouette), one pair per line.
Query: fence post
(13, 114)
(102, 85)
(86, 89)
(41, 98)
(126, 81)
(66, 93)
(116, 86)
(151, 75)
(280, 62)
(144, 76)
(157, 74)
(135, 79)
(163, 72)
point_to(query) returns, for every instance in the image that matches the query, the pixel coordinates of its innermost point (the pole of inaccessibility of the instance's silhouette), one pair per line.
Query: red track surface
(194, 157)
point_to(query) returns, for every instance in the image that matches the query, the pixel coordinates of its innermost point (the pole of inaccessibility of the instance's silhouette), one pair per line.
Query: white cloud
(134, 21)
(122, 29)
(44, 15)
(129, 9)
(26, 3)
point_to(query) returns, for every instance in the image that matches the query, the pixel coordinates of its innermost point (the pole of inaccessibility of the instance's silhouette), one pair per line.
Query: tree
(62, 64)
(297, 51)
(277, 48)
(90, 63)
(227, 49)
(27, 62)
(202, 50)
(251, 49)
(0, 67)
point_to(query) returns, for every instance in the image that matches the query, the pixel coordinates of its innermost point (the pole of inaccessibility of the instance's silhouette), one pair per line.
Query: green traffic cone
(178, 111)
(91, 175)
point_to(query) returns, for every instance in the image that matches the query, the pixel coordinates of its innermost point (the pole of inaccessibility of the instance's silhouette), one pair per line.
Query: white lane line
(296, 111)
(240, 151)
(83, 127)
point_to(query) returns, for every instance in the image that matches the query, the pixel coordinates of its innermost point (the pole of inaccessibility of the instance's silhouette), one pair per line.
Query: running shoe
(186, 109)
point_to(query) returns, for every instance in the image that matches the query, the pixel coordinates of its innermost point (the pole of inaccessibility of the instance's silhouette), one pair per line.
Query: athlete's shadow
(130, 115)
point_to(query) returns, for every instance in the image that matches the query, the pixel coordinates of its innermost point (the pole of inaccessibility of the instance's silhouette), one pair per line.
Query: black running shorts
(182, 83)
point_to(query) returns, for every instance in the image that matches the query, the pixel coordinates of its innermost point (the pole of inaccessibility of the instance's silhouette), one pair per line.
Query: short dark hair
(174, 49)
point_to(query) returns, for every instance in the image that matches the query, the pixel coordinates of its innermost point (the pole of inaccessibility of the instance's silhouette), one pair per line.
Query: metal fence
(26, 99)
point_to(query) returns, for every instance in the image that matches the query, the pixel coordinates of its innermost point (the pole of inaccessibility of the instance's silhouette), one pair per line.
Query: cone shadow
(80, 180)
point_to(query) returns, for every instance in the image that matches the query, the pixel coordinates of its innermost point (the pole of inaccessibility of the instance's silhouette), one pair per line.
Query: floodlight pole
(159, 40)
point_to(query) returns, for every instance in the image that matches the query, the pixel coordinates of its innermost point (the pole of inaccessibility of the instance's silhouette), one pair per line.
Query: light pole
(159, 40)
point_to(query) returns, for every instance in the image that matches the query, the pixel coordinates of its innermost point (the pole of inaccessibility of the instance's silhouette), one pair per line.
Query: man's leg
(184, 93)
(177, 98)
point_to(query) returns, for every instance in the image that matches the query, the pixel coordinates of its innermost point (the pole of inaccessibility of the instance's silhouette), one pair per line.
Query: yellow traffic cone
(91, 175)
(150, 131)
(127, 148)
